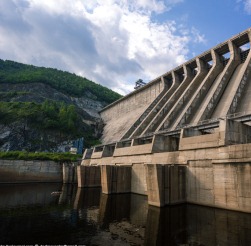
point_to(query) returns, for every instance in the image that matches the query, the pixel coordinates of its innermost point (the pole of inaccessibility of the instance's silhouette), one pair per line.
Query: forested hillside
(44, 109)
(65, 82)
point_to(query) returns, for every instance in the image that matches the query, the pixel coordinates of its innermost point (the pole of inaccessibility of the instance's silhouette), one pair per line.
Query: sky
(116, 42)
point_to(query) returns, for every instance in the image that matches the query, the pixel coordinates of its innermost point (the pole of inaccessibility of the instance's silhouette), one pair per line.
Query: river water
(39, 214)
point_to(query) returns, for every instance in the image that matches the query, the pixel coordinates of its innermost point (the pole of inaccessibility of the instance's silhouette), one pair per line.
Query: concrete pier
(115, 179)
(69, 173)
(89, 176)
(166, 184)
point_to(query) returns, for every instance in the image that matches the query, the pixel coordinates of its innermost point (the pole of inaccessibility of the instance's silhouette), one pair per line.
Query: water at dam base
(64, 214)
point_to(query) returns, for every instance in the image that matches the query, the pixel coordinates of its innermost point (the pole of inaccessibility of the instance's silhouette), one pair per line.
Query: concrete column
(177, 191)
(234, 52)
(175, 77)
(115, 179)
(175, 80)
(165, 82)
(156, 187)
(69, 173)
(216, 59)
(166, 184)
(249, 35)
(222, 132)
(201, 65)
(188, 73)
(217, 66)
(89, 176)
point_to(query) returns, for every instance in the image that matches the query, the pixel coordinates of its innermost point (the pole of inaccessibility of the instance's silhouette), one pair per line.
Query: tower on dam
(183, 137)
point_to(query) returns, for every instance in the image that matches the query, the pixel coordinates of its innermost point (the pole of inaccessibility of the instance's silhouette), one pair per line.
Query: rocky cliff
(37, 115)
(18, 135)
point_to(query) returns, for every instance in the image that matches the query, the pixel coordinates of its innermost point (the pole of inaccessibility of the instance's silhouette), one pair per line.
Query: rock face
(39, 92)
(19, 136)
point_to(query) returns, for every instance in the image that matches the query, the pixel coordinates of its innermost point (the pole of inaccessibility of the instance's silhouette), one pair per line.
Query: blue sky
(116, 42)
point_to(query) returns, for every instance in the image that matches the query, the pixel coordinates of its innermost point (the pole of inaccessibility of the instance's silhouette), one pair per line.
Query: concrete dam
(184, 137)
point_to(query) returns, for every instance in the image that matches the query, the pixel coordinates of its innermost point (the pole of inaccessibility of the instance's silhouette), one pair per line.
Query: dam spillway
(183, 137)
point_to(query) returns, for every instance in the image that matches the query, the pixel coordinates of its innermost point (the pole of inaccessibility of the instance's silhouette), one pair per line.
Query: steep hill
(44, 109)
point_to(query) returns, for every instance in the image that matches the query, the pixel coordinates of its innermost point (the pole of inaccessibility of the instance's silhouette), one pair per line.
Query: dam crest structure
(184, 137)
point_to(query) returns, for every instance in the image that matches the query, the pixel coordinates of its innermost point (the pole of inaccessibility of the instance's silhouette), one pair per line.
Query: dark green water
(30, 214)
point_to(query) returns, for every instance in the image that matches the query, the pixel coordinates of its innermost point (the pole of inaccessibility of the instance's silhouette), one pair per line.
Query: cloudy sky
(116, 42)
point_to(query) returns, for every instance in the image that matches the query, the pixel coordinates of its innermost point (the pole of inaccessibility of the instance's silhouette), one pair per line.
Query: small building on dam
(184, 137)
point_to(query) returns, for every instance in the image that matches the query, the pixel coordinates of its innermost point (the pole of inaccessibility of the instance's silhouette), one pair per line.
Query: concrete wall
(119, 116)
(133, 150)
(138, 179)
(19, 171)
(194, 139)
(201, 142)
(238, 133)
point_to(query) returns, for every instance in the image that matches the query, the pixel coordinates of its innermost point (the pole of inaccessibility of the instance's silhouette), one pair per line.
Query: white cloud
(197, 36)
(112, 42)
(247, 6)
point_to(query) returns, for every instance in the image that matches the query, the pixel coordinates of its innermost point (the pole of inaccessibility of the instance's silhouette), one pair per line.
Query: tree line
(68, 83)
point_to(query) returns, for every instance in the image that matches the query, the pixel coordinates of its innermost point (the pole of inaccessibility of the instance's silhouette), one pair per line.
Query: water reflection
(56, 214)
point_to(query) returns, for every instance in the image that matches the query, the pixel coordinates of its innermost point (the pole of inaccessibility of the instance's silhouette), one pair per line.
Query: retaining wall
(20, 171)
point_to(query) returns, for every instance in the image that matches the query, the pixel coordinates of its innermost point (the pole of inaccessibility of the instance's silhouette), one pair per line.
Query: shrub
(23, 155)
